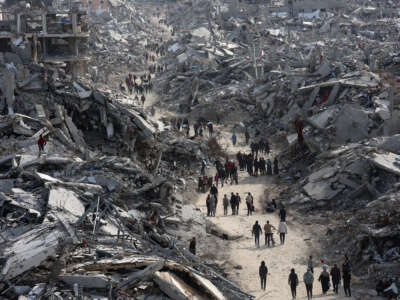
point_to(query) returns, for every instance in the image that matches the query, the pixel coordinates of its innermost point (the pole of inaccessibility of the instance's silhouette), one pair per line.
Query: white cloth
(392, 287)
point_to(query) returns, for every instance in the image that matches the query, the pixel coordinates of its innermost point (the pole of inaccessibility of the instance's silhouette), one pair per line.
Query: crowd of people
(325, 278)
(256, 165)
(141, 85)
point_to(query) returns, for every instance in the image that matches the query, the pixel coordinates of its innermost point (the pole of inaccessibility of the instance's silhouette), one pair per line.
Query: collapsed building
(32, 35)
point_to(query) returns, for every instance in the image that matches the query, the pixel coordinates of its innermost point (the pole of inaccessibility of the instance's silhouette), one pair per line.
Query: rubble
(95, 212)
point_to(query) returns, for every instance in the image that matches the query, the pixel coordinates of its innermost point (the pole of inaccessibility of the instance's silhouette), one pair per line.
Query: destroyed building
(46, 35)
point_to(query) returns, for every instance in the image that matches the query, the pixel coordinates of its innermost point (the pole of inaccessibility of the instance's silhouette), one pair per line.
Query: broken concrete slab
(321, 190)
(31, 249)
(145, 126)
(387, 161)
(19, 127)
(175, 287)
(382, 109)
(7, 160)
(82, 93)
(387, 143)
(40, 113)
(90, 281)
(322, 174)
(311, 98)
(321, 120)
(28, 200)
(75, 133)
(352, 124)
(6, 185)
(66, 201)
(332, 96)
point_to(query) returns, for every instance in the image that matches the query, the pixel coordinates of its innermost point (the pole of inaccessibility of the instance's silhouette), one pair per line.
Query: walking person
(208, 204)
(268, 233)
(308, 279)
(213, 205)
(225, 202)
(310, 264)
(214, 192)
(234, 139)
(335, 275)
(256, 231)
(210, 128)
(276, 168)
(324, 279)
(216, 178)
(293, 281)
(282, 214)
(233, 204)
(247, 136)
(192, 246)
(346, 275)
(237, 203)
(282, 229)
(41, 143)
(250, 204)
(263, 271)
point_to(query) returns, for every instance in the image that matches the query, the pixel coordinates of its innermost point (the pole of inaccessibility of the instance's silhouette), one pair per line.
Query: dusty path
(279, 259)
(242, 252)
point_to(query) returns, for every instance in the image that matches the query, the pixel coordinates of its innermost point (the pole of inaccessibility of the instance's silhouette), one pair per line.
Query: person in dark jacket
(233, 203)
(293, 281)
(247, 136)
(256, 231)
(192, 246)
(282, 214)
(214, 191)
(208, 204)
(41, 143)
(263, 271)
(308, 279)
(346, 275)
(269, 167)
(324, 279)
(276, 168)
(335, 274)
(237, 203)
(225, 202)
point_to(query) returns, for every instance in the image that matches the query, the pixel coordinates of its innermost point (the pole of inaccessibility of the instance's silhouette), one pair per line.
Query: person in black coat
(276, 168)
(335, 274)
(346, 275)
(282, 214)
(263, 271)
(293, 281)
(214, 191)
(324, 279)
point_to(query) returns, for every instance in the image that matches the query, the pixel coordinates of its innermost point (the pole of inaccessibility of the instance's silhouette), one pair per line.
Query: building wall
(310, 5)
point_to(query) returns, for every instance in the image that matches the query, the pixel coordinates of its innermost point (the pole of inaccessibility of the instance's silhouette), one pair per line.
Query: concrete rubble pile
(97, 215)
(281, 68)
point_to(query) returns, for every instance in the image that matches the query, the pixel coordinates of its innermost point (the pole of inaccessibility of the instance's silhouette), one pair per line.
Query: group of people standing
(257, 166)
(268, 230)
(234, 202)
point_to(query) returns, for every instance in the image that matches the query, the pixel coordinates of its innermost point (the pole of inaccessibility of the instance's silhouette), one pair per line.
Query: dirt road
(279, 259)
